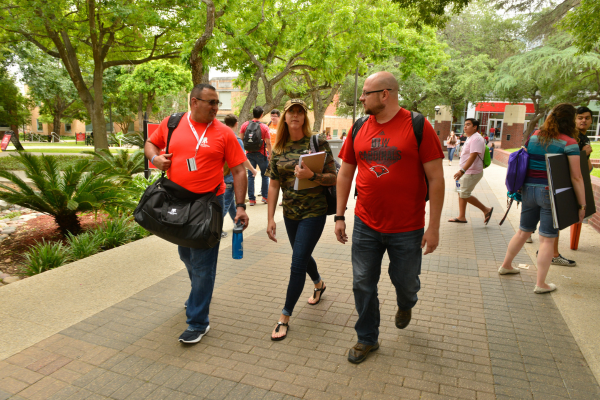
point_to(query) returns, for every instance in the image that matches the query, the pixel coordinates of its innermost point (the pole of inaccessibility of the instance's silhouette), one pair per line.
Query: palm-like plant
(134, 139)
(123, 164)
(61, 194)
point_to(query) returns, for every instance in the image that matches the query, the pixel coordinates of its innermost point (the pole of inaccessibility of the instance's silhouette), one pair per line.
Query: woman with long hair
(451, 145)
(558, 135)
(304, 211)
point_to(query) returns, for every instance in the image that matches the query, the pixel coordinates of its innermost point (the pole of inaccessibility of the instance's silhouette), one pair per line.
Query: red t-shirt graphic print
(391, 180)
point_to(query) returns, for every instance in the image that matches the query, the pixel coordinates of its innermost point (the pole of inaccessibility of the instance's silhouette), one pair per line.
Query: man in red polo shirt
(206, 141)
(390, 211)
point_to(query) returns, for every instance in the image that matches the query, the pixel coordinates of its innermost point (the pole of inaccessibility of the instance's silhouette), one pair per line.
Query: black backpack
(418, 122)
(253, 141)
(330, 191)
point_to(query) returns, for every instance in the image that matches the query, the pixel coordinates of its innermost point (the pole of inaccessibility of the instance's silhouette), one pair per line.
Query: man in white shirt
(471, 172)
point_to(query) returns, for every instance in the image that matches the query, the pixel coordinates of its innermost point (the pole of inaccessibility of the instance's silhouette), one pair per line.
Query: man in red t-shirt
(390, 211)
(208, 143)
(259, 158)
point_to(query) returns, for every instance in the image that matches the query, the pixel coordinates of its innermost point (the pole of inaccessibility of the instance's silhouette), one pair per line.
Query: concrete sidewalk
(474, 334)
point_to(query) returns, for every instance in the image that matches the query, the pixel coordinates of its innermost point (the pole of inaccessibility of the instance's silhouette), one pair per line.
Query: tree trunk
(141, 112)
(56, 121)
(531, 126)
(199, 69)
(68, 223)
(250, 99)
(149, 104)
(320, 105)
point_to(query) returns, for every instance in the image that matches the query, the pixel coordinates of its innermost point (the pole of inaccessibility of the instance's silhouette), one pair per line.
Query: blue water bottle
(238, 241)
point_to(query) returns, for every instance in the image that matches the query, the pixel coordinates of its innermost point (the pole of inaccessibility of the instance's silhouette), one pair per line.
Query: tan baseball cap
(293, 102)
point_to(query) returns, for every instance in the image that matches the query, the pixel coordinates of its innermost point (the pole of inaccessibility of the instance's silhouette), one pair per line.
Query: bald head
(384, 80)
(380, 95)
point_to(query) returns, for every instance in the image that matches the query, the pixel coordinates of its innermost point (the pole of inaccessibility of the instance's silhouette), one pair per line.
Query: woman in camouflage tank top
(304, 211)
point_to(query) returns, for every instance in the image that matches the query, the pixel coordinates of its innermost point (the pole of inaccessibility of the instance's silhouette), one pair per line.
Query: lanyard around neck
(196, 133)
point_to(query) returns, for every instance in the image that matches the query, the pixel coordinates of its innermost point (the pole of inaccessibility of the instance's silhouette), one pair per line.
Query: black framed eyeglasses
(374, 91)
(212, 103)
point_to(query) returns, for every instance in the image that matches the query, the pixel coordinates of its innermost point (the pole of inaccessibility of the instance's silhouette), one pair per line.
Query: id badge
(191, 163)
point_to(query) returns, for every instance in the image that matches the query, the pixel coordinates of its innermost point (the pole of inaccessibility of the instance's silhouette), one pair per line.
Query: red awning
(498, 107)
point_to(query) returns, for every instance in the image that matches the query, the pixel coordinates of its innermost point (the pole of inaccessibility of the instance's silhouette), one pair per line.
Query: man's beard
(374, 109)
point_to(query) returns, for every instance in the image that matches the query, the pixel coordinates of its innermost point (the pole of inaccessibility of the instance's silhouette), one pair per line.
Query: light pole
(355, 95)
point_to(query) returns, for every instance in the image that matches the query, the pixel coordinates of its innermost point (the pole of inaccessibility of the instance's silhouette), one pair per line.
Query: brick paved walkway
(474, 334)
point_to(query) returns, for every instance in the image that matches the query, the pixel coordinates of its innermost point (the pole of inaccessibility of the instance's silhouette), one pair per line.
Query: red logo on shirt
(379, 170)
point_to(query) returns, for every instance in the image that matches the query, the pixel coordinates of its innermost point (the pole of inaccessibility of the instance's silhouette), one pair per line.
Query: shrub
(137, 232)
(43, 257)
(115, 233)
(83, 245)
(61, 194)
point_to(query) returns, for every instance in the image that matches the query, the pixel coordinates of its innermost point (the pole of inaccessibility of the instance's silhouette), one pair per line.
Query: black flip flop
(458, 221)
(279, 325)
(322, 290)
(488, 216)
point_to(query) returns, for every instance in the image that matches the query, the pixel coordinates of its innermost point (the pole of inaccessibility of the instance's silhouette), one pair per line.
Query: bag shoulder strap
(314, 143)
(357, 125)
(418, 122)
(173, 122)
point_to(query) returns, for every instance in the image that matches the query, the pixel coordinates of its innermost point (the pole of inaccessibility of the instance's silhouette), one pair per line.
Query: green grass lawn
(12, 164)
(70, 151)
(44, 144)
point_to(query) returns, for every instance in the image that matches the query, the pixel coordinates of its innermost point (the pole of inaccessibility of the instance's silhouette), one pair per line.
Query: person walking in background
(304, 211)
(273, 124)
(471, 172)
(451, 146)
(200, 137)
(344, 134)
(259, 157)
(390, 210)
(462, 140)
(556, 136)
(229, 196)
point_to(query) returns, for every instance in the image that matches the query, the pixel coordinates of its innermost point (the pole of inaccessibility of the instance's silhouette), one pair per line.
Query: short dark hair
(230, 120)
(257, 112)
(475, 123)
(196, 90)
(276, 111)
(583, 110)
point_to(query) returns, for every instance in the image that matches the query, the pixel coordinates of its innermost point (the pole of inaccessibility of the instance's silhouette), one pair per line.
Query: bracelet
(152, 160)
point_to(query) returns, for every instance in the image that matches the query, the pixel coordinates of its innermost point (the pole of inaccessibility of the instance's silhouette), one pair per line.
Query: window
(225, 85)
(225, 98)
(88, 128)
(67, 127)
(40, 127)
(335, 131)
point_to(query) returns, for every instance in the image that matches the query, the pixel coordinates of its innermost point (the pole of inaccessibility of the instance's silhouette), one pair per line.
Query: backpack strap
(173, 122)
(418, 122)
(314, 143)
(357, 125)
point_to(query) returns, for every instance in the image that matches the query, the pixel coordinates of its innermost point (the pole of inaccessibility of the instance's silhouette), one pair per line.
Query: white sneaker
(505, 271)
(529, 240)
(540, 290)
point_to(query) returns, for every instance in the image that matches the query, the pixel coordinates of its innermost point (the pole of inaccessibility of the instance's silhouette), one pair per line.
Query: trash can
(336, 146)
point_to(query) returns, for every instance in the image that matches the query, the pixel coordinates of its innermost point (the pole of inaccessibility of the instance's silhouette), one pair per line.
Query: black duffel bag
(177, 215)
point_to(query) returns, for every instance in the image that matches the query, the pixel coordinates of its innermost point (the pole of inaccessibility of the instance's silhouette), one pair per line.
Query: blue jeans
(202, 269)
(304, 235)
(262, 162)
(368, 247)
(451, 153)
(229, 201)
(536, 208)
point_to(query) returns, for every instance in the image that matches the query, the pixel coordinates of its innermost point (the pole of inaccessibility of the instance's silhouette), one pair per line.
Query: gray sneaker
(529, 240)
(223, 235)
(560, 260)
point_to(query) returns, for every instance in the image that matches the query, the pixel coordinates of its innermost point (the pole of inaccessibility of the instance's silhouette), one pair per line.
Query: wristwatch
(339, 218)
(312, 178)
(243, 205)
(582, 207)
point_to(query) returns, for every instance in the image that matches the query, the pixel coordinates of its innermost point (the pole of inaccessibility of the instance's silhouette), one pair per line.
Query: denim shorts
(536, 208)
